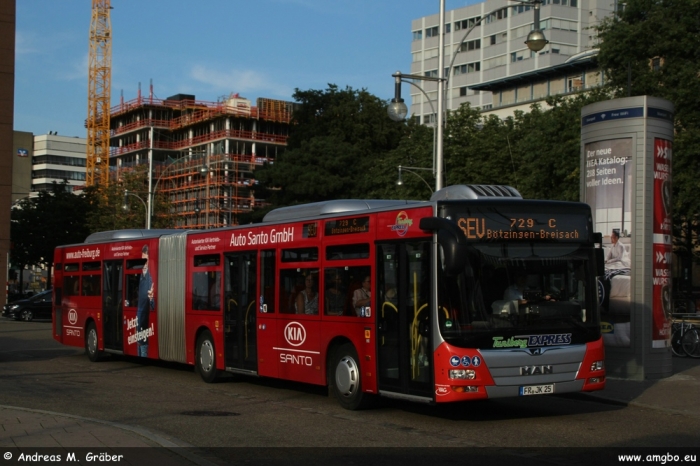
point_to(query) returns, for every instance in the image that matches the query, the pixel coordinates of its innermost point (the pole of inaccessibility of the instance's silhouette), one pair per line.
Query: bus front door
(240, 341)
(403, 291)
(112, 292)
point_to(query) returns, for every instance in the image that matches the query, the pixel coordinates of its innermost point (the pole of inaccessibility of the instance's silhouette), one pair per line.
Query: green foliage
(107, 211)
(538, 152)
(343, 145)
(664, 33)
(477, 149)
(336, 146)
(414, 150)
(40, 224)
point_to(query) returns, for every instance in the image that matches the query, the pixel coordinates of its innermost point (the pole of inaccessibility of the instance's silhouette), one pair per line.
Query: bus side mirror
(452, 240)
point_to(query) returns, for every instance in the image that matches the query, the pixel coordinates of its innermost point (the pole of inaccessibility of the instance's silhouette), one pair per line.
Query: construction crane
(99, 94)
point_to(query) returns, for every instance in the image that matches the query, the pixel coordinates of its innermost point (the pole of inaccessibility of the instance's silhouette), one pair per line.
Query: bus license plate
(536, 389)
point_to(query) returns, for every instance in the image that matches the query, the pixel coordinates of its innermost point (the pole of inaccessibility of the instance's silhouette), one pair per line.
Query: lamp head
(397, 110)
(536, 40)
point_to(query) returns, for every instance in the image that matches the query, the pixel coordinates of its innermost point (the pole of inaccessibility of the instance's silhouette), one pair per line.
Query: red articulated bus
(474, 294)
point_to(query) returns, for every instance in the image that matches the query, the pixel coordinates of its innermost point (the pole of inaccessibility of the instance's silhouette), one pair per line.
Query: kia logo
(295, 334)
(72, 316)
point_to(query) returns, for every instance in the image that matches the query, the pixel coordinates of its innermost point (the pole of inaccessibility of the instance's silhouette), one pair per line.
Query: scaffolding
(203, 155)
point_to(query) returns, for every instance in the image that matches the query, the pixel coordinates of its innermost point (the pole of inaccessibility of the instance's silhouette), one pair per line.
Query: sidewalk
(677, 394)
(27, 430)
(23, 429)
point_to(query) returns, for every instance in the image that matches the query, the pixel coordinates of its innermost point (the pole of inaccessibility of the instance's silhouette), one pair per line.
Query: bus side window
(206, 293)
(359, 290)
(291, 283)
(71, 285)
(91, 285)
(132, 289)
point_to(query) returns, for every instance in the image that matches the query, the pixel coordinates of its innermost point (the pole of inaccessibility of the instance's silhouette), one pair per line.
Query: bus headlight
(462, 374)
(598, 366)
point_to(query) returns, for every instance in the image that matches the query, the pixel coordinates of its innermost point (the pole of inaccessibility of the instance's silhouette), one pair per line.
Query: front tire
(91, 348)
(346, 379)
(205, 362)
(26, 315)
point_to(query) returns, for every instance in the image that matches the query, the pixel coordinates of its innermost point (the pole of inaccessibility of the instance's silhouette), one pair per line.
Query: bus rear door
(112, 304)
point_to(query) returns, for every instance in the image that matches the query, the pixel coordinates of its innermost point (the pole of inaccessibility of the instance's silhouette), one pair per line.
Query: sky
(209, 48)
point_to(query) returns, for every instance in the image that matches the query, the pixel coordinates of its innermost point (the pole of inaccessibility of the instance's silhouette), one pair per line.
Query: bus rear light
(465, 388)
(596, 379)
(598, 366)
(462, 374)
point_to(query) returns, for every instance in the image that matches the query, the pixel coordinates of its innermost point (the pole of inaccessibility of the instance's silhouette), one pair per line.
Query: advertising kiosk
(626, 154)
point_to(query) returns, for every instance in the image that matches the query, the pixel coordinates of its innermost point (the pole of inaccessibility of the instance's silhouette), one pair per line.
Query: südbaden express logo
(402, 223)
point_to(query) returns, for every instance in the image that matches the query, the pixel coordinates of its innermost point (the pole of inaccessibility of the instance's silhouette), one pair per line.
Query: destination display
(347, 226)
(505, 226)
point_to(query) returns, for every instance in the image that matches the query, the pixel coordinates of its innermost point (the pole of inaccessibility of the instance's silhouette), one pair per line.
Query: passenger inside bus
(307, 299)
(292, 293)
(335, 293)
(362, 297)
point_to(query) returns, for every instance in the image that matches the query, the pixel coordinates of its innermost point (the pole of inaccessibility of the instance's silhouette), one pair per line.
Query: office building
(493, 69)
(58, 159)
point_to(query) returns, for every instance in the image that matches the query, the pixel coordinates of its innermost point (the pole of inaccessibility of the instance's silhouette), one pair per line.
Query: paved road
(171, 402)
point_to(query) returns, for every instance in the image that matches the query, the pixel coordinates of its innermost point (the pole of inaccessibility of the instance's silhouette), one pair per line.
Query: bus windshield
(513, 289)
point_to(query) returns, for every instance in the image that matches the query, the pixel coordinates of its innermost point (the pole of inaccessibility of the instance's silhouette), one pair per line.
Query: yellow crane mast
(99, 94)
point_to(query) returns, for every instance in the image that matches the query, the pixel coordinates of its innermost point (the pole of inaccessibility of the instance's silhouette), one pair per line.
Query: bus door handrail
(245, 327)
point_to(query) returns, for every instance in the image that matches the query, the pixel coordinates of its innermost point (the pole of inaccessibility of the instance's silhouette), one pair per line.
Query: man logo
(295, 334)
(536, 370)
(72, 316)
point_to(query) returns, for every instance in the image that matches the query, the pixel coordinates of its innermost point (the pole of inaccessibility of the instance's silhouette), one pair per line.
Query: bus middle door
(405, 362)
(240, 342)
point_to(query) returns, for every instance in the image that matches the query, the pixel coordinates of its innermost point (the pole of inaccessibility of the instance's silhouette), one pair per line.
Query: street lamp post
(398, 110)
(153, 187)
(399, 182)
(125, 205)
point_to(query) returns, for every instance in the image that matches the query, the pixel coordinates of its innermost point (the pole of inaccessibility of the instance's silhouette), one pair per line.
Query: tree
(538, 152)
(415, 149)
(337, 142)
(106, 202)
(652, 47)
(478, 148)
(40, 224)
(548, 145)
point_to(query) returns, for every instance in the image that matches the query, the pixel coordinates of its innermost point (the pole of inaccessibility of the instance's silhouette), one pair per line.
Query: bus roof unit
(317, 209)
(115, 235)
(475, 191)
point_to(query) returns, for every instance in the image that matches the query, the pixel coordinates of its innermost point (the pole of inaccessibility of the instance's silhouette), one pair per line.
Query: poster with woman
(609, 181)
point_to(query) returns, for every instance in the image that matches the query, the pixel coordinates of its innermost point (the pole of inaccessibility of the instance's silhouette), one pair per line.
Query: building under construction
(202, 155)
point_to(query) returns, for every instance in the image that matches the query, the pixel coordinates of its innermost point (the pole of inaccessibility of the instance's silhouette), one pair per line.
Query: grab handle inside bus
(452, 240)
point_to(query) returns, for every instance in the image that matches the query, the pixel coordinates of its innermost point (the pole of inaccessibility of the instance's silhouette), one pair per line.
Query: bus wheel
(91, 343)
(205, 363)
(346, 381)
